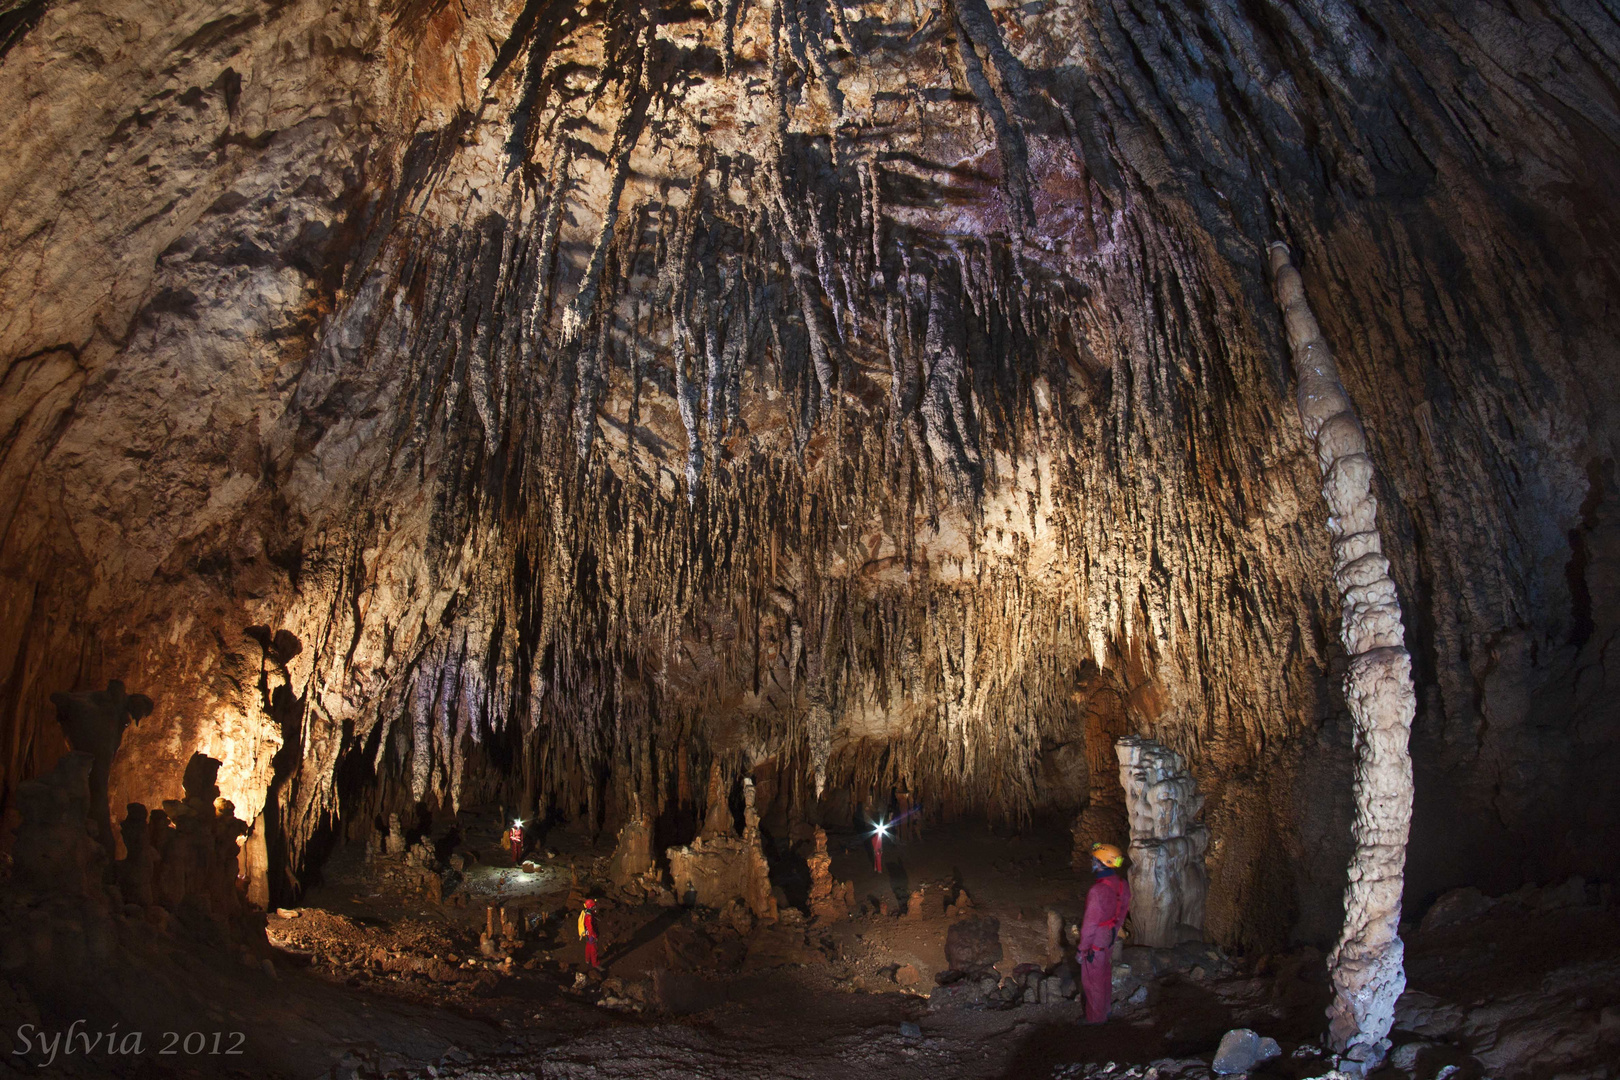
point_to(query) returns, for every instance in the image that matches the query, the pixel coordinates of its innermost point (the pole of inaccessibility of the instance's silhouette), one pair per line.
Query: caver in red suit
(1107, 904)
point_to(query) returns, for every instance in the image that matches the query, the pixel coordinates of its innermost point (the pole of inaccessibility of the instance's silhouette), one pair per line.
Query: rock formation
(50, 851)
(1102, 820)
(1366, 965)
(717, 821)
(715, 871)
(633, 854)
(830, 899)
(597, 395)
(196, 839)
(1168, 842)
(64, 908)
(136, 867)
(54, 910)
(973, 945)
(94, 723)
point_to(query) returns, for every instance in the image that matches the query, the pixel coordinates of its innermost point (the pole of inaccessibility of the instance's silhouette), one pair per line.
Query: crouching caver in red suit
(516, 837)
(1107, 904)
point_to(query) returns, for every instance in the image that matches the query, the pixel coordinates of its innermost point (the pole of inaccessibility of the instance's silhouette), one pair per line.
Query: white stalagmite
(1365, 967)
(1168, 880)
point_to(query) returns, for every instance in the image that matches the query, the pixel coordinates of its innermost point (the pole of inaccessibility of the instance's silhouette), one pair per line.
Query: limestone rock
(922, 904)
(134, 870)
(1456, 906)
(395, 840)
(830, 899)
(717, 821)
(633, 854)
(1241, 1050)
(751, 438)
(94, 723)
(1365, 967)
(54, 849)
(1428, 1016)
(1168, 880)
(713, 872)
(973, 945)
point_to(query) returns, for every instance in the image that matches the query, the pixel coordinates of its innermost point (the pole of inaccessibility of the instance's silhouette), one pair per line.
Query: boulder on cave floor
(974, 944)
(1241, 1050)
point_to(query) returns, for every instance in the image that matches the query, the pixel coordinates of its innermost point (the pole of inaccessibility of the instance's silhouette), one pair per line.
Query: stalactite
(687, 397)
(975, 20)
(559, 183)
(1366, 967)
(1009, 136)
(948, 430)
(810, 46)
(730, 13)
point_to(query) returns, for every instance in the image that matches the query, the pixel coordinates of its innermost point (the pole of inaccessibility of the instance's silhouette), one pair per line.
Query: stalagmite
(830, 899)
(1168, 882)
(719, 868)
(717, 821)
(633, 854)
(1366, 967)
(94, 723)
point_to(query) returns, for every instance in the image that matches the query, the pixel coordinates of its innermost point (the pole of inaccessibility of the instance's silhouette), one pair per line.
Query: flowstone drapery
(1366, 967)
(1168, 881)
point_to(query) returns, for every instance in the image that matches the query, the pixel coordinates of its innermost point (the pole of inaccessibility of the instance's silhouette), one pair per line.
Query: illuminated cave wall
(861, 393)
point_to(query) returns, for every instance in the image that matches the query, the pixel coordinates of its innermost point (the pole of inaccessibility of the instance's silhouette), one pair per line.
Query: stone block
(974, 944)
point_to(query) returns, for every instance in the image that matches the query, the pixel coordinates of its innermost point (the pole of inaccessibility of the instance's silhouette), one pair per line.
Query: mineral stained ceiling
(884, 390)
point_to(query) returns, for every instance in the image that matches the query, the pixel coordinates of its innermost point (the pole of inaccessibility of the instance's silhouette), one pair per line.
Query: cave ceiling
(885, 390)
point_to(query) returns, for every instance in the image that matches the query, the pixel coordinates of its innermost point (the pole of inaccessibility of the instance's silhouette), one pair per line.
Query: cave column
(1366, 966)
(1168, 880)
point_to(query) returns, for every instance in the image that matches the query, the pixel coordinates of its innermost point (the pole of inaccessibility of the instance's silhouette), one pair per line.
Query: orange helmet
(1108, 855)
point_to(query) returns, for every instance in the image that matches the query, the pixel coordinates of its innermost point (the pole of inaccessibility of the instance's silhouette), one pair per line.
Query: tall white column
(1366, 966)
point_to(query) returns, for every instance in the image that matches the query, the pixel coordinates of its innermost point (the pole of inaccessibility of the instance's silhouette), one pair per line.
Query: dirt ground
(373, 977)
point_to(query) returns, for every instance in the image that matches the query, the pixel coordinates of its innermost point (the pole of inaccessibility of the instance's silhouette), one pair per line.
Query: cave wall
(595, 391)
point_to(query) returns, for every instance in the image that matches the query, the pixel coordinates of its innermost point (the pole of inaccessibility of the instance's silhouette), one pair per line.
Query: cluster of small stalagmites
(503, 932)
(416, 865)
(66, 904)
(720, 867)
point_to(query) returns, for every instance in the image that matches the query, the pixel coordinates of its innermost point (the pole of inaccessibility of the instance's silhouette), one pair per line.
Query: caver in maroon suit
(1107, 904)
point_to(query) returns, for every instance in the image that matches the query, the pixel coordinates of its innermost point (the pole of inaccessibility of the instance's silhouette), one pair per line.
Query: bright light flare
(881, 828)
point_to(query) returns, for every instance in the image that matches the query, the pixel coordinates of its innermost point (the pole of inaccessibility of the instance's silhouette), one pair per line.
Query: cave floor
(370, 978)
(782, 1000)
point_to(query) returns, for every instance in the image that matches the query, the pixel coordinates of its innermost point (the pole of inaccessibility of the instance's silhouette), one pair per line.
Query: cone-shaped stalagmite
(1366, 966)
